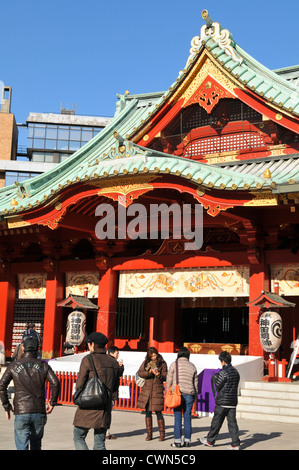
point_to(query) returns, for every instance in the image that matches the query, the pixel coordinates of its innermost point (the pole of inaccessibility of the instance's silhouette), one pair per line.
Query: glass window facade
(59, 137)
(12, 176)
(43, 157)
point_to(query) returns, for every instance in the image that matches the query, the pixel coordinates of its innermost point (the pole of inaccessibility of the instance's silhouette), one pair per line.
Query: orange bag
(173, 399)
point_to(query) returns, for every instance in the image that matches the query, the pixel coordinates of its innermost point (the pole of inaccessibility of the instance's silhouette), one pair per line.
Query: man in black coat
(226, 384)
(29, 375)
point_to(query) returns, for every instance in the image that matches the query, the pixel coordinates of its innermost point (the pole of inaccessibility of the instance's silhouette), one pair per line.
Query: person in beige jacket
(188, 384)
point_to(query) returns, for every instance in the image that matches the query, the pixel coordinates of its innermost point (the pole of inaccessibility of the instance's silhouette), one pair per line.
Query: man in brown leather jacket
(29, 376)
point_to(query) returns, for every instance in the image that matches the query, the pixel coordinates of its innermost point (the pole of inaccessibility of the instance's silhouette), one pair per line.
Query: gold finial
(267, 173)
(13, 202)
(205, 15)
(115, 134)
(127, 92)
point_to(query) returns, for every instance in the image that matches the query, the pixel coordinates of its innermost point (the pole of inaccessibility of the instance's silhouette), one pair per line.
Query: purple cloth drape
(205, 399)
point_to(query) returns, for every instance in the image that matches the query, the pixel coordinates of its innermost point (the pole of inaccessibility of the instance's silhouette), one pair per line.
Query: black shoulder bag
(94, 395)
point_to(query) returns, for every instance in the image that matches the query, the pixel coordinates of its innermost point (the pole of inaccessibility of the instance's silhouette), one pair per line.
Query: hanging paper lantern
(270, 331)
(75, 328)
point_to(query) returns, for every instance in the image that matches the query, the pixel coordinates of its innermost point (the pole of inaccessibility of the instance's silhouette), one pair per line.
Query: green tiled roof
(125, 159)
(98, 158)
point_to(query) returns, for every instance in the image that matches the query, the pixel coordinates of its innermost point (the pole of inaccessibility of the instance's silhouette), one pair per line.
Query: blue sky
(85, 52)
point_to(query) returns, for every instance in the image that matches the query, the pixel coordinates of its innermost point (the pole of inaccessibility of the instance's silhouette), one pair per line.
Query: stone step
(270, 394)
(275, 386)
(270, 401)
(267, 406)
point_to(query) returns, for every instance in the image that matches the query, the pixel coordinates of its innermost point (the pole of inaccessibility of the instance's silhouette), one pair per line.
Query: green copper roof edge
(270, 74)
(171, 164)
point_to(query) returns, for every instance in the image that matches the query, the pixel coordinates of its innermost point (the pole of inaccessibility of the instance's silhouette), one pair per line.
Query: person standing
(226, 383)
(113, 351)
(30, 331)
(188, 384)
(29, 375)
(108, 371)
(151, 398)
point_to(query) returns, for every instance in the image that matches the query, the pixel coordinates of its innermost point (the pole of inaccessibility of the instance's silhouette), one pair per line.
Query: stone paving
(129, 429)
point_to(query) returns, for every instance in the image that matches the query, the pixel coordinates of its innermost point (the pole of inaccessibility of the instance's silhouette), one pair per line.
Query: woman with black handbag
(99, 416)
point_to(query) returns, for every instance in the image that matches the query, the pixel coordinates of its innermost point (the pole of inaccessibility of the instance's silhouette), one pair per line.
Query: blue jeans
(186, 408)
(29, 429)
(80, 436)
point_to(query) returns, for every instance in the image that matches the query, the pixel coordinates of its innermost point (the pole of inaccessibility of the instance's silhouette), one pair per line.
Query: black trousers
(220, 413)
(149, 413)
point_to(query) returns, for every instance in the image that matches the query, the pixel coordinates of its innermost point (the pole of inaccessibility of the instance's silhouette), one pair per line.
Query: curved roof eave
(138, 161)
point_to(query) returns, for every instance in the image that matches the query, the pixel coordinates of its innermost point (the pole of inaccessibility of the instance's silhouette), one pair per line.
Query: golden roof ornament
(267, 173)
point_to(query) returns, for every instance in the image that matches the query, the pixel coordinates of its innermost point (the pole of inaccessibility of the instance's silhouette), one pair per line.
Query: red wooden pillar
(258, 282)
(166, 330)
(107, 298)
(7, 305)
(160, 316)
(52, 318)
(153, 324)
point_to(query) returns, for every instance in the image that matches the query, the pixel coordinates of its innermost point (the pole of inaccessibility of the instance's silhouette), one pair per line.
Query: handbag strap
(92, 363)
(177, 371)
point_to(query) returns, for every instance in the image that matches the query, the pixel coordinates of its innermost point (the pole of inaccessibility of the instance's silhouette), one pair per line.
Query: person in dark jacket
(30, 331)
(108, 371)
(113, 351)
(29, 376)
(151, 397)
(226, 383)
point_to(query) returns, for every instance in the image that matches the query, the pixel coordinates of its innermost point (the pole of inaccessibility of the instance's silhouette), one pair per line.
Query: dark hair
(30, 325)
(225, 356)
(184, 352)
(112, 349)
(151, 351)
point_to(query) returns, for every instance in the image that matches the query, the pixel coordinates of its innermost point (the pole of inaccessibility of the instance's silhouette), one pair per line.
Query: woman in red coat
(151, 398)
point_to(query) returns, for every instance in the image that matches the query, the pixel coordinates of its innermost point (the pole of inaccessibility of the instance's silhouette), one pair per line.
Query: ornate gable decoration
(208, 94)
(221, 36)
(206, 85)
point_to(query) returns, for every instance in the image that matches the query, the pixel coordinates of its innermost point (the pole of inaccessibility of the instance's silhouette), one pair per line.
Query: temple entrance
(27, 311)
(210, 326)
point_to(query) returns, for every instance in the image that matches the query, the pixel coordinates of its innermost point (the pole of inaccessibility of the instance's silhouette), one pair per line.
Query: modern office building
(8, 133)
(51, 138)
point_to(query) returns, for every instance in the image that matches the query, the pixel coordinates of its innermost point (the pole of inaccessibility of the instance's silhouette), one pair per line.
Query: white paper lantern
(75, 328)
(270, 331)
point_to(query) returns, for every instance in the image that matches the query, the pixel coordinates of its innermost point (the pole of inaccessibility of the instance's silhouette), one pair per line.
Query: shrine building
(224, 137)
